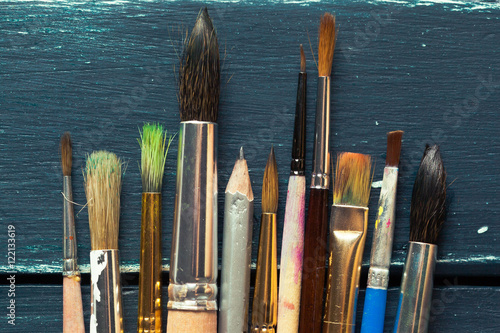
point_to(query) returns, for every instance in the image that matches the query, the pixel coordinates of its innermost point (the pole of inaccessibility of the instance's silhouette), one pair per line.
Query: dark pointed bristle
(327, 37)
(302, 60)
(66, 154)
(352, 181)
(428, 199)
(393, 148)
(199, 73)
(270, 186)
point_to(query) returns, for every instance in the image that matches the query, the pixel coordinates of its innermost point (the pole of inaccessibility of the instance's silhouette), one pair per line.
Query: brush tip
(393, 148)
(66, 154)
(428, 201)
(302, 60)
(327, 38)
(352, 181)
(270, 185)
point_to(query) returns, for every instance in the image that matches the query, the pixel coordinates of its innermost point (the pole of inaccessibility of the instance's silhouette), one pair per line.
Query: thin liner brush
(315, 240)
(72, 292)
(380, 259)
(348, 225)
(192, 290)
(264, 307)
(292, 249)
(103, 181)
(154, 149)
(427, 216)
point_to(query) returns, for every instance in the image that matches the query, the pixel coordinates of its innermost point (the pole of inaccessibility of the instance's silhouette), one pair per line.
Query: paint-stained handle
(72, 305)
(179, 321)
(374, 311)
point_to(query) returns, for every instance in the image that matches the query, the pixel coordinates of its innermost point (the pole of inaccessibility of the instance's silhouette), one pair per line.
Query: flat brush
(348, 225)
(154, 149)
(103, 180)
(380, 259)
(264, 307)
(427, 215)
(72, 292)
(292, 249)
(315, 238)
(192, 290)
(236, 250)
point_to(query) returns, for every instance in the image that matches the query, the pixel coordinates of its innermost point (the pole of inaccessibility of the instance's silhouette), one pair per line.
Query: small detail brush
(103, 180)
(192, 290)
(264, 307)
(292, 249)
(348, 224)
(236, 250)
(315, 236)
(427, 216)
(154, 149)
(72, 292)
(380, 260)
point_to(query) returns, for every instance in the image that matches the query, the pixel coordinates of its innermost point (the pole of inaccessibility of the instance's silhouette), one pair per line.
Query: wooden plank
(101, 69)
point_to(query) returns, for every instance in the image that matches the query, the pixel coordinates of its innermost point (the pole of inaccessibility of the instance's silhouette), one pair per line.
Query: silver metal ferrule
(193, 270)
(70, 265)
(236, 264)
(380, 259)
(321, 161)
(105, 289)
(416, 289)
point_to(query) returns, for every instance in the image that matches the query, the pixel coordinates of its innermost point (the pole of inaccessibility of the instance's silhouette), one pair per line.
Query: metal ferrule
(321, 161)
(236, 264)
(193, 270)
(348, 226)
(70, 265)
(105, 289)
(416, 289)
(380, 260)
(298, 164)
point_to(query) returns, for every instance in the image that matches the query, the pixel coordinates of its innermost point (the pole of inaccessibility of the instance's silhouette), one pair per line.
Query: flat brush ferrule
(380, 260)
(321, 161)
(193, 279)
(416, 289)
(70, 266)
(105, 289)
(348, 226)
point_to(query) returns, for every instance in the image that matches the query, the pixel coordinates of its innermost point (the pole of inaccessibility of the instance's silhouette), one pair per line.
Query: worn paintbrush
(264, 307)
(192, 291)
(380, 260)
(427, 216)
(292, 249)
(348, 226)
(72, 292)
(103, 180)
(315, 238)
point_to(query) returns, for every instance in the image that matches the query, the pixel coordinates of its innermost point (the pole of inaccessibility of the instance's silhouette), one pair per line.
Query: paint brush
(264, 307)
(380, 260)
(154, 149)
(192, 291)
(427, 215)
(292, 249)
(72, 291)
(236, 250)
(315, 238)
(103, 180)
(348, 225)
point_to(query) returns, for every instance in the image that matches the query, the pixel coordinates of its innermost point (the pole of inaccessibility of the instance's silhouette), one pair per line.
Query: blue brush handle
(374, 311)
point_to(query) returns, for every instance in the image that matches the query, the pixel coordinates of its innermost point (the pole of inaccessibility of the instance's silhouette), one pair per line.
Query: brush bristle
(199, 74)
(103, 179)
(393, 148)
(352, 181)
(270, 186)
(154, 149)
(428, 201)
(66, 154)
(302, 60)
(327, 38)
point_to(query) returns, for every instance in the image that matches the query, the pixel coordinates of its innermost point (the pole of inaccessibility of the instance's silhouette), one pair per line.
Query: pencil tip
(242, 154)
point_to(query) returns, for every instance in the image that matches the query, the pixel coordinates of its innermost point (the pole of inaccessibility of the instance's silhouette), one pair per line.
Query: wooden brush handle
(72, 305)
(179, 321)
(314, 269)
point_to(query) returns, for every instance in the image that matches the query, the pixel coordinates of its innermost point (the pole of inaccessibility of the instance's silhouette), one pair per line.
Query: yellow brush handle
(191, 321)
(72, 305)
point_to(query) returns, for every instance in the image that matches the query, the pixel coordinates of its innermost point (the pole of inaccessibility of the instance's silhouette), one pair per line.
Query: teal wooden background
(101, 69)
